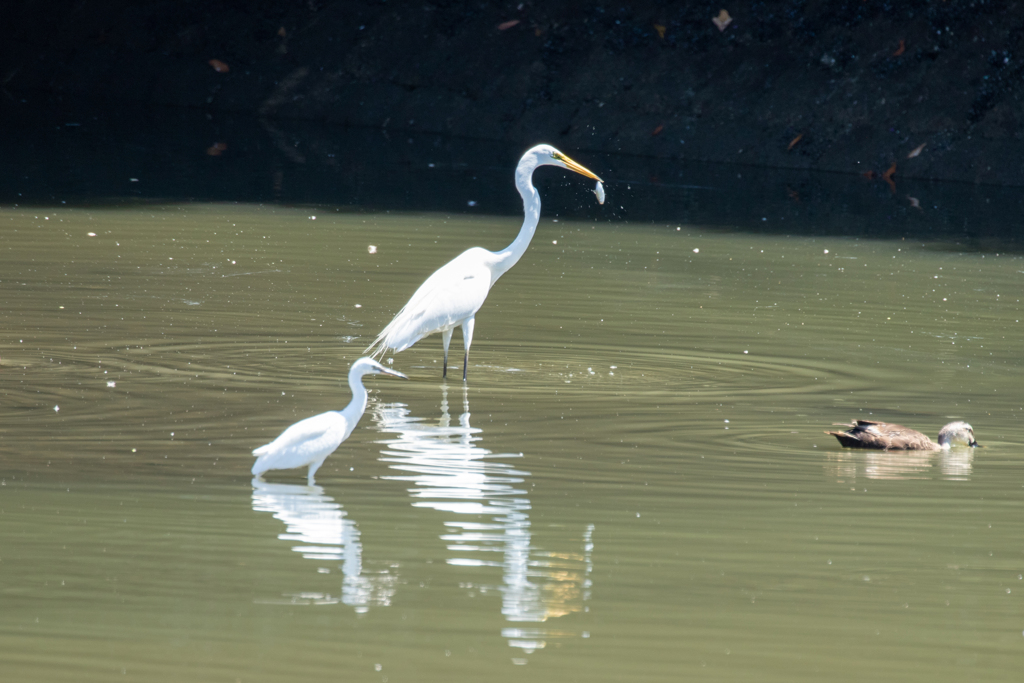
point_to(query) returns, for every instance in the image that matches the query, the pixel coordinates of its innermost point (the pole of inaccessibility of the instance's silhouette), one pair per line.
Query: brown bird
(886, 436)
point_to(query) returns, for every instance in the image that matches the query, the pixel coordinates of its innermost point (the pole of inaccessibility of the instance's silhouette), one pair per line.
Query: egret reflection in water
(487, 517)
(319, 529)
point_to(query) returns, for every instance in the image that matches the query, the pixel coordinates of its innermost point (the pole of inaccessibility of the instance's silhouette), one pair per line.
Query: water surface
(634, 483)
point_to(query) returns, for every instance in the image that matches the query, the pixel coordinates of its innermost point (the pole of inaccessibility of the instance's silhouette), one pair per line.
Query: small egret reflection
(319, 529)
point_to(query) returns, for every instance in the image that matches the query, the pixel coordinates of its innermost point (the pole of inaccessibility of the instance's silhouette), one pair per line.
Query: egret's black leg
(465, 365)
(446, 338)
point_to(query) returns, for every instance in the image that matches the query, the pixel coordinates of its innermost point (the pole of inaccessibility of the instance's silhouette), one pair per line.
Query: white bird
(455, 292)
(310, 441)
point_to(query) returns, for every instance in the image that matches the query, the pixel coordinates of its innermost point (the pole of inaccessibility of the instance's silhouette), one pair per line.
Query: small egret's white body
(451, 296)
(309, 442)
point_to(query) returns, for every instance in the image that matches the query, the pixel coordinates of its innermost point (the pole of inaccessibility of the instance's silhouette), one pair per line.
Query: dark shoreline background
(849, 87)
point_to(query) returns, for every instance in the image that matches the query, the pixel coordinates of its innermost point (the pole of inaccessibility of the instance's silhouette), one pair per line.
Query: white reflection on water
(321, 530)
(488, 522)
(955, 464)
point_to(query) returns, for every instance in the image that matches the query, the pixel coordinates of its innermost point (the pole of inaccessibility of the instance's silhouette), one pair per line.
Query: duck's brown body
(884, 436)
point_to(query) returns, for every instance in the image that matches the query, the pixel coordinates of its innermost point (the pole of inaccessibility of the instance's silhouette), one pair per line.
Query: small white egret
(310, 441)
(886, 436)
(455, 292)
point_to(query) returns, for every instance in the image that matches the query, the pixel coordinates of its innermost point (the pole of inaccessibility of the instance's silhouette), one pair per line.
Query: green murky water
(633, 485)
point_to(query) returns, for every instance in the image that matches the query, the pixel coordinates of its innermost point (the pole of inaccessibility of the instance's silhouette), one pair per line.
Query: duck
(887, 436)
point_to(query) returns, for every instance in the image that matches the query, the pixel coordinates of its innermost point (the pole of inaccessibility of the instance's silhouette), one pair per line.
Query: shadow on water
(84, 154)
(487, 510)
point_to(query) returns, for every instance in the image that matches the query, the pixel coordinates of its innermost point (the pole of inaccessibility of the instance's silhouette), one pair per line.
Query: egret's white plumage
(451, 296)
(310, 441)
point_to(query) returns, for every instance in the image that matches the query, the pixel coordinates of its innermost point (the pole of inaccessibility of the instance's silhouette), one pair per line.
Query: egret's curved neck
(531, 207)
(358, 402)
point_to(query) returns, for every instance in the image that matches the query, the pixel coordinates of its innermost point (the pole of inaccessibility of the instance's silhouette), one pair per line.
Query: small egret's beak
(975, 444)
(396, 373)
(582, 170)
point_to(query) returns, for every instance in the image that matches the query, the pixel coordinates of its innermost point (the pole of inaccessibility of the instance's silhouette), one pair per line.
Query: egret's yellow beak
(582, 170)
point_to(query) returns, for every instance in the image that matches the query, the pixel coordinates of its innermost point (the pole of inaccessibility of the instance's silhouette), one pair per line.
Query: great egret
(310, 441)
(892, 437)
(455, 292)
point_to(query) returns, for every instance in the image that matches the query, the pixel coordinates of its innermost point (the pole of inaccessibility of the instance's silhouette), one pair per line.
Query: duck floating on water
(886, 436)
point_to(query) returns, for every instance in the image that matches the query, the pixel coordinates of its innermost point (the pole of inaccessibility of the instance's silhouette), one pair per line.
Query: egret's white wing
(454, 292)
(302, 443)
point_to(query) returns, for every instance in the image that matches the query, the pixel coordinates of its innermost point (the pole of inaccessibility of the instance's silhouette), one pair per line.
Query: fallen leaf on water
(914, 202)
(870, 175)
(901, 49)
(792, 143)
(658, 130)
(916, 151)
(722, 20)
(216, 149)
(281, 32)
(661, 30)
(887, 177)
(219, 66)
(505, 25)
(793, 194)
